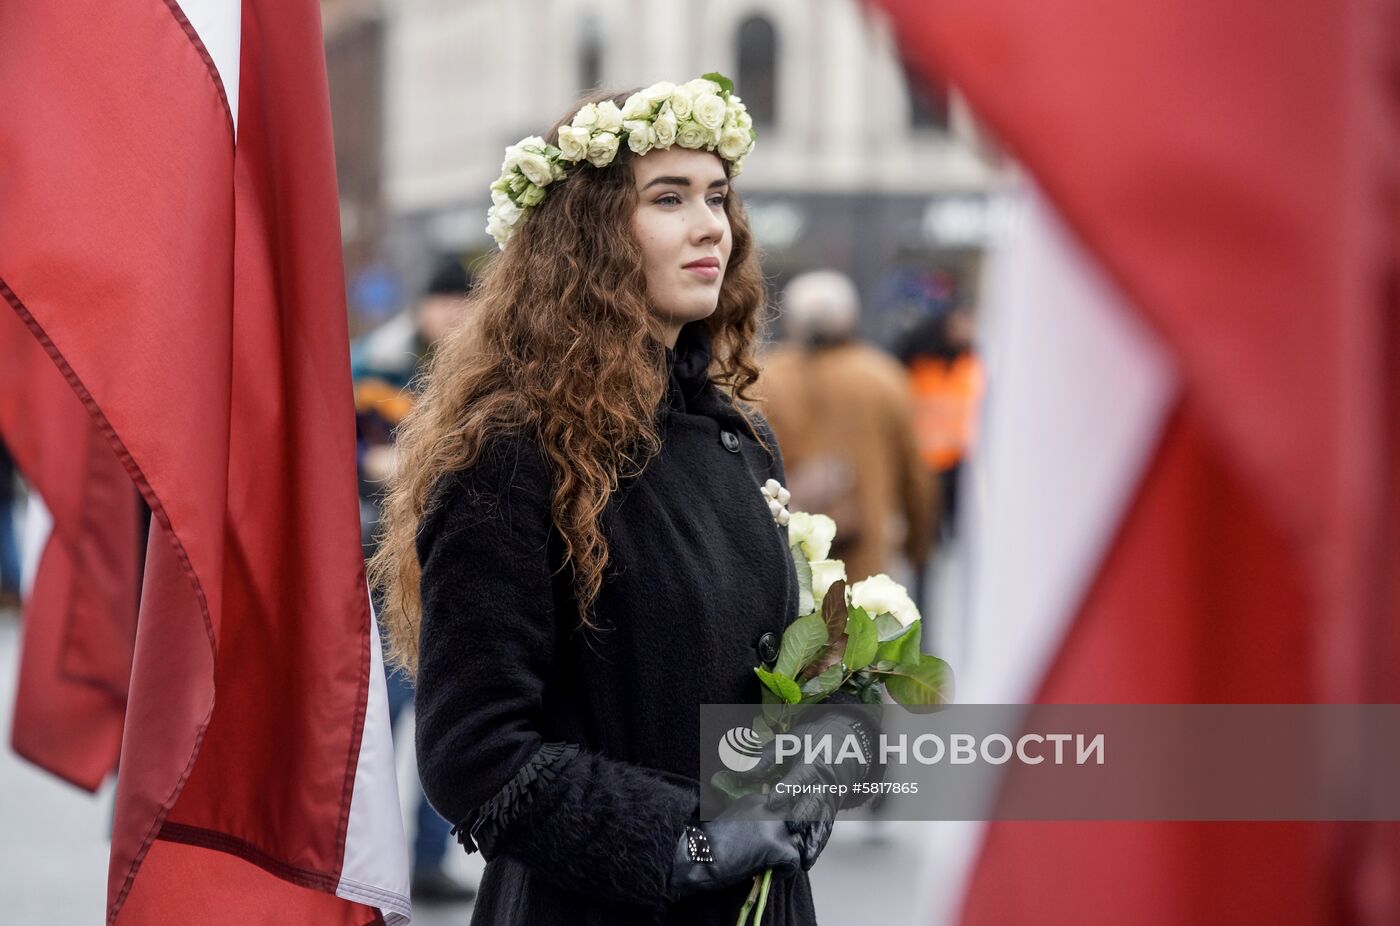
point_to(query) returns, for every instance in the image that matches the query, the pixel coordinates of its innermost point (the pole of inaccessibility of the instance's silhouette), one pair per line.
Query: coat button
(730, 440)
(768, 646)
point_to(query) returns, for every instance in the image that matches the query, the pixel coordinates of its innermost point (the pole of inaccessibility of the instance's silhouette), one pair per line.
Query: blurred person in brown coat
(843, 416)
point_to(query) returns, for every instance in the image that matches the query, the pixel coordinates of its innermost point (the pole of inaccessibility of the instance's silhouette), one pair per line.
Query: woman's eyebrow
(683, 181)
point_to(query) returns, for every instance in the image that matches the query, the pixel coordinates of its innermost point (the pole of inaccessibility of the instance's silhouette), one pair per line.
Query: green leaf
(726, 86)
(801, 641)
(733, 786)
(903, 649)
(870, 694)
(817, 688)
(929, 682)
(780, 684)
(761, 726)
(887, 627)
(861, 642)
(806, 601)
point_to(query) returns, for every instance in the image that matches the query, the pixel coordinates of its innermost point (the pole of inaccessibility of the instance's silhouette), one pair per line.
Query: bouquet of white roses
(862, 639)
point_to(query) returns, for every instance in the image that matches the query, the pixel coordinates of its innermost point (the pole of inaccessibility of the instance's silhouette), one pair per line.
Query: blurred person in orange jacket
(842, 414)
(947, 379)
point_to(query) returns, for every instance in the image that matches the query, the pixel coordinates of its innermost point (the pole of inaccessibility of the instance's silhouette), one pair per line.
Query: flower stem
(763, 897)
(748, 903)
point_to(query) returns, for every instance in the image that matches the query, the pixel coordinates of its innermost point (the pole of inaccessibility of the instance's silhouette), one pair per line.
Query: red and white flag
(80, 612)
(1193, 433)
(169, 236)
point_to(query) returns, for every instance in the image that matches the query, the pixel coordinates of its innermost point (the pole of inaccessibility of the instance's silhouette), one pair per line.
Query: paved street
(53, 847)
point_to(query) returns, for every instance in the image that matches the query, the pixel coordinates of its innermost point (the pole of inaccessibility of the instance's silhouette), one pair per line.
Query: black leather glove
(809, 792)
(744, 840)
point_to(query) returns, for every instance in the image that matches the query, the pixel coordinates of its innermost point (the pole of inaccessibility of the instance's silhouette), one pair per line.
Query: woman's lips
(707, 268)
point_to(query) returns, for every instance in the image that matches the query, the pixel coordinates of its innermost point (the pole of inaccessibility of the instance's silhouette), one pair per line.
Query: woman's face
(683, 230)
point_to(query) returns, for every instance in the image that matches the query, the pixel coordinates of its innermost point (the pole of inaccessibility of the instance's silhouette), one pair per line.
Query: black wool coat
(570, 756)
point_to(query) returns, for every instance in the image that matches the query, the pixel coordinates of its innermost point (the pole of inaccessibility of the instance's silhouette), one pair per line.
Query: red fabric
(1232, 166)
(80, 615)
(193, 293)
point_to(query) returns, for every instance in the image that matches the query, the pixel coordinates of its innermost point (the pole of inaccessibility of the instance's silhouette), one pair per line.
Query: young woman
(577, 552)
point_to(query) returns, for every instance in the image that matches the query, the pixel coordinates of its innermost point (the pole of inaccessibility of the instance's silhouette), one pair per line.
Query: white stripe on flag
(375, 871)
(219, 24)
(34, 537)
(1079, 390)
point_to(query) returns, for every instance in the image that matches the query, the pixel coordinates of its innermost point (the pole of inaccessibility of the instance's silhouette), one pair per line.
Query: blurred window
(758, 69)
(928, 102)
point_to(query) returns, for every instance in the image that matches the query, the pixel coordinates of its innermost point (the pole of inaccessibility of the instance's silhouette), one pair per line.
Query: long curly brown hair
(564, 344)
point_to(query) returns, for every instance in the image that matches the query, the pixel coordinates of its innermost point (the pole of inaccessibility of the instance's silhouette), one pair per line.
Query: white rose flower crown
(703, 114)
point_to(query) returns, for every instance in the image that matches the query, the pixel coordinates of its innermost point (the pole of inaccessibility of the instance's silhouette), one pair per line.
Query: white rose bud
(636, 107)
(638, 135)
(774, 506)
(587, 117)
(825, 573)
(771, 487)
(659, 91)
(573, 142)
(609, 117)
(536, 168)
(602, 148)
(813, 532)
(783, 517)
(880, 594)
(682, 103)
(734, 143)
(692, 135)
(532, 196)
(709, 111)
(701, 86)
(784, 495)
(664, 130)
(499, 197)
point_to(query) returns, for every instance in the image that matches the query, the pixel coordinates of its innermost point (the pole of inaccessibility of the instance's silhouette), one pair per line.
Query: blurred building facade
(853, 168)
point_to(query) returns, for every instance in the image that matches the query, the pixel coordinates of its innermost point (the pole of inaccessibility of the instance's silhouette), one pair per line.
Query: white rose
(532, 145)
(636, 107)
(734, 143)
(664, 129)
(512, 159)
(709, 111)
(498, 230)
(602, 148)
(609, 117)
(812, 532)
(573, 142)
(586, 118)
(659, 91)
(638, 135)
(880, 594)
(682, 103)
(498, 196)
(536, 168)
(692, 135)
(509, 213)
(701, 86)
(825, 573)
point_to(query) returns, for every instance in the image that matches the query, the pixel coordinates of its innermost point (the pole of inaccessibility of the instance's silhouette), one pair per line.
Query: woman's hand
(743, 841)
